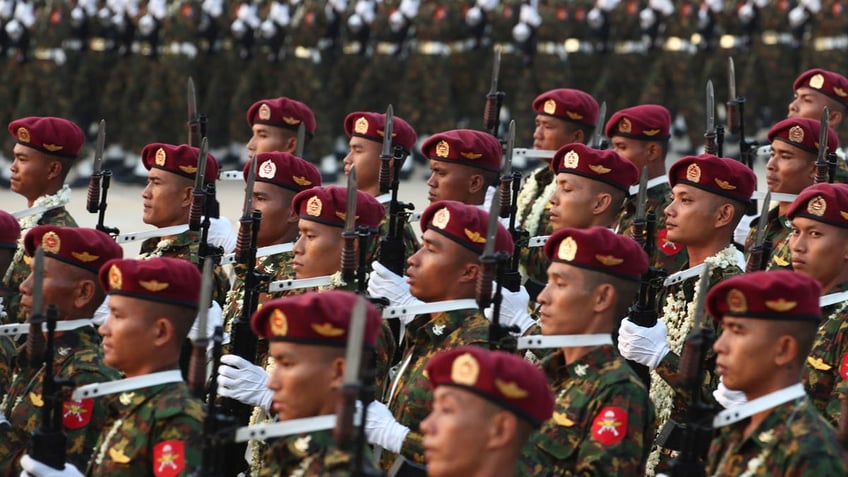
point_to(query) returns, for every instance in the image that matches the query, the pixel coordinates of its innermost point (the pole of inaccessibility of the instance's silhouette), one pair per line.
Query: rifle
(193, 124)
(710, 134)
(203, 201)
(736, 125)
(348, 265)
(197, 368)
(392, 248)
(217, 426)
(822, 166)
(761, 251)
(35, 338)
(301, 140)
(598, 141)
(509, 189)
(98, 184)
(494, 99)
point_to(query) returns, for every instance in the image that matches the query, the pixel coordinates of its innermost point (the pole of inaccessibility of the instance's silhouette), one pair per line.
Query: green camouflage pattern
(778, 229)
(827, 364)
(308, 455)
(7, 357)
(79, 358)
(793, 439)
(569, 443)
(142, 419)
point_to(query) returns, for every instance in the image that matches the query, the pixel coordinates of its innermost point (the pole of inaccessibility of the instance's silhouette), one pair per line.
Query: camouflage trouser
(770, 74)
(379, 85)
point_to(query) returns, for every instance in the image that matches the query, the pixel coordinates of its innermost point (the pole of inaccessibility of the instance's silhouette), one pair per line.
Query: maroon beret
(317, 318)
(605, 166)
(827, 203)
(371, 126)
(719, 175)
(464, 224)
(161, 279)
(10, 230)
(826, 82)
(327, 205)
(647, 122)
(85, 248)
(282, 113)
(775, 295)
(502, 378)
(181, 160)
(286, 170)
(569, 105)
(466, 147)
(803, 133)
(598, 249)
(56, 136)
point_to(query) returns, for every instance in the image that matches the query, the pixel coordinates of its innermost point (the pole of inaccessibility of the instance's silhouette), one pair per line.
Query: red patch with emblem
(667, 246)
(631, 8)
(843, 368)
(441, 13)
(77, 414)
(836, 9)
(562, 14)
(580, 14)
(168, 458)
(610, 425)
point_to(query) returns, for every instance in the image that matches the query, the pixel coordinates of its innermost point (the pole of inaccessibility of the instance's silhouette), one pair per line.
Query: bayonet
(710, 134)
(822, 167)
(301, 140)
(731, 79)
(349, 233)
(506, 172)
(38, 282)
(496, 71)
(762, 223)
(386, 154)
(492, 226)
(488, 259)
(494, 98)
(35, 339)
(197, 368)
(246, 221)
(598, 134)
(642, 197)
(700, 305)
(351, 382)
(733, 104)
(193, 124)
(199, 194)
(93, 203)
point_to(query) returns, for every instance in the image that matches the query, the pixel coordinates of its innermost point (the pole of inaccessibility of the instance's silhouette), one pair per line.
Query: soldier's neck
(782, 208)
(572, 355)
(699, 253)
(49, 190)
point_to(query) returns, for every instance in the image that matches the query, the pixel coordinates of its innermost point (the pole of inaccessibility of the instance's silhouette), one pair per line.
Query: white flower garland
(678, 315)
(336, 282)
(161, 247)
(106, 441)
(527, 193)
(49, 202)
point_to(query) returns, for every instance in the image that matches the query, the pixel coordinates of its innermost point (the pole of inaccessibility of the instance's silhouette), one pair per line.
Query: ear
(476, 183)
(578, 136)
(470, 272)
(54, 169)
(503, 427)
(84, 293)
(186, 196)
(293, 217)
(834, 117)
(724, 215)
(604, 298)
(337, 370)
(786, 350)
(654, 151)
(162, 331)
(291, 144)
(603, 201)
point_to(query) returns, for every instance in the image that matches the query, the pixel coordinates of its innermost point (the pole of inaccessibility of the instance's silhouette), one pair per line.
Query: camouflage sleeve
(413, 446)
(84, 420)
(385, 352)
(7, 353)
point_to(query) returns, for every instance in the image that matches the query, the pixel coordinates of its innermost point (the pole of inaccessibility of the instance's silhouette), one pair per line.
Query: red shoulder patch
(168, 458)
(667, 246)
(77, 414)
(843, 367)
(610, 425)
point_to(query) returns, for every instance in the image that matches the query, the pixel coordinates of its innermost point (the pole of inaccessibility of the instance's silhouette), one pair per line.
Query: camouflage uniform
(409, 394)
(667, 254)
(618, 85)
(19, 269)
(143, 424)
(533, 259)
(792, 440)
(78, 357)
(7, 357)
(603, 420)
(377, 86)
(777, 230)
(307, 455)
(827, 364)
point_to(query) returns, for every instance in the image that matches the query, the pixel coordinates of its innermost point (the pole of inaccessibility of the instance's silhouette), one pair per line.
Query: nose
(26, 287)
(771, 164)
(669, 210)
(542, 299)
(297, 248)
(251, 144)
(431, 182)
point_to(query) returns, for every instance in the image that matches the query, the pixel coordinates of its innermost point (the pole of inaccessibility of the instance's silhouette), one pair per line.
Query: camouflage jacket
(152, 431)
(533, 258)
(79, 358)
(777, 230)
(409, 395)
(667, 254)
(8, 349)
(792, 440)
(603, 422)
(186, 246)
(827, 364)
(307, 455)
(19, 269)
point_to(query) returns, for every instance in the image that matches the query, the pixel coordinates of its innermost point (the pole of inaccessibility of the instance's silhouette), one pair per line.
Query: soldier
(485, 406)
(603, 420)
(45, 150)
(10, 231)
(447, 267)
(157, 424)
(640, 134)
(818, 244)
(464, 164)
(769, 322)
(790, 169)
(710, 195)
(307, 335)
(274, 124)
(366, 131)
(73, 257)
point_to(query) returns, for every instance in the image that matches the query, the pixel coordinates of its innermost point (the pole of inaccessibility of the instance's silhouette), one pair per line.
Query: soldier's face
(552, 133)
(819, 250)
(807, 103)
(270, 139)
(691, 215)
(127, 334)
(456, 432)
(449, 181)
(746, 355)
(789, 169)
(636, 151)
(166, 198)
(566, 301)
(318, 250)
(574, 202)
(32, 171)
(279, 222)
(437, 269)
(304, 380)
(365, 155)
(61, 286)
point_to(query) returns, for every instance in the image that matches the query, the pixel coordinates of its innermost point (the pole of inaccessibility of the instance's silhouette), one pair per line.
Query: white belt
(775, 196)
(731, 41)
(163, 232)
(129, 384)
(630, 47)
(552, 48)
(532, 153)
(832, 298)
(538, 241)
(288, 427)
(774, 38)
(386, 48)
(308, 53)
(831, 43)
(683, 275)
(261, 252)
(574, 45)
(284, 285)
(433, 48)
(743, 411)
(424, 308)
(231, 176)
(39, 209)
(23, 328)
(676, 43)
(563, 341)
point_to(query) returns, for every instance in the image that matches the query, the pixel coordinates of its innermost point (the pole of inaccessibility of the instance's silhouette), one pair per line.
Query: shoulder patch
(77, 414)
(168, 458)
(610, 425)
(843, 367)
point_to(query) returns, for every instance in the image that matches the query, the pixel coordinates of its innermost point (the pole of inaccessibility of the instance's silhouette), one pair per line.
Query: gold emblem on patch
(599, 169)
(51, 243)
(267, 170)
(693, 173)
(160, 158)
(291, 121)
(441, 218)
(301, 181)
(818, 363)
(442, 149)
(116, 279)
(470, 155)
(567, 249)
(84, 257)
(279, 323)
(651, 132)
(188, 169)
(573, 115)
(724, 184)
(609, 260)
(27, 260)
(36, 399)
(314, 206)
(736, 301)
(23, 134)
(796, 134)
(817, 81)
(562, 420)
(625, 126)
(549, 107)
(571, 160)
(510, 389)
(781, 304)
(118, 456)
(465, 369)
(53, 147)
(817, 206)
(361, 125)
(328, 330)
(475, 236)
(840, 92)
(264, 112)
(153, 285)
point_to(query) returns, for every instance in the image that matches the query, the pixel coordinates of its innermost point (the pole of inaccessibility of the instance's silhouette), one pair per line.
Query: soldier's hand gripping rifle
(710, 134)
(761, 251)
(494, 99)
(193, 123)
(509, 189)
(98, 184)
(822, 166)
(392, 248)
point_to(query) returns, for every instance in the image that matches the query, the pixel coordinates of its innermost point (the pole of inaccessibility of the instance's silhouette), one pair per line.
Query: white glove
(487, 5)
(101, 313)
(814, 6)
(607, 5)
(647, 18)
(385, 283)
(473, 16)
(715, 5)
(646, 346)
(746, 13)
(34, 468)
(595, 18)
(382, 429)
(521, 32)
(666, 7)
(514, 306)
(409, 8)
(530, 16)
(214, 318)
(797, 16)
(727, 397)
(3, 419)
(243, 381)
(221, 232)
